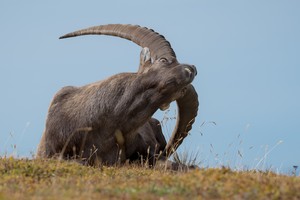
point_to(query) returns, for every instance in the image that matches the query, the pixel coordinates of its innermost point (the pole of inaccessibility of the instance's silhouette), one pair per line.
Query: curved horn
(159, 47)
(187, 112)
(142, 36)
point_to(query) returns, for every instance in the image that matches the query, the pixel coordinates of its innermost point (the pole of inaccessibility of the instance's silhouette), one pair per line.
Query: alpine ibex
(110, 121)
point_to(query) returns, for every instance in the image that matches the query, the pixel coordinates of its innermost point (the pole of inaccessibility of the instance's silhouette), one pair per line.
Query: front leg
(148, 148)
(148, 144)
(98, 148)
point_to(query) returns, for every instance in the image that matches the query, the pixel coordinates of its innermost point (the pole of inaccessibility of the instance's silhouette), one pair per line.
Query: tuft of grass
(53, 179)
(187, 158)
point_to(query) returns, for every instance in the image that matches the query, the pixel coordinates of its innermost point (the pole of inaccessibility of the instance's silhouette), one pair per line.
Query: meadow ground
(53, 179)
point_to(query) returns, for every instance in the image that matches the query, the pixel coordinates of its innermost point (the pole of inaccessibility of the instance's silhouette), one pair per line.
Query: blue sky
(246, 53)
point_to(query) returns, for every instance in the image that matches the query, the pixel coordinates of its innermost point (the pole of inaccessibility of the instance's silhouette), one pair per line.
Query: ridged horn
(187, 112)
(142, 36)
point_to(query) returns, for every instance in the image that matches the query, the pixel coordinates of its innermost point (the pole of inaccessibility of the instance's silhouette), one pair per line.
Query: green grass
(53, 179)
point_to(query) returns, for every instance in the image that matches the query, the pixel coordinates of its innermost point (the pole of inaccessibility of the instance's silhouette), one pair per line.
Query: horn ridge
(142, 36)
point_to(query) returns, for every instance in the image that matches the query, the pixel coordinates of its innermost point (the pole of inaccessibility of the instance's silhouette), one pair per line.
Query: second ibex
(110, 121)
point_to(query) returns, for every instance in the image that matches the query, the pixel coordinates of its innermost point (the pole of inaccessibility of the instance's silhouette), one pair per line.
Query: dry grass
(53, 179)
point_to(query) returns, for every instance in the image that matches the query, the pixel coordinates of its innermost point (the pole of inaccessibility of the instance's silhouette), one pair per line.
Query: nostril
(194, 68)
(189, 70)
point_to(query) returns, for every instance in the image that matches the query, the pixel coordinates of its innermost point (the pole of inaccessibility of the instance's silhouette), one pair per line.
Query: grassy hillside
(51, 179)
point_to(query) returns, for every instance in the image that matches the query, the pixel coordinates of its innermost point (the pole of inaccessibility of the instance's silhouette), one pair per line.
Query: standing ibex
(110, 120)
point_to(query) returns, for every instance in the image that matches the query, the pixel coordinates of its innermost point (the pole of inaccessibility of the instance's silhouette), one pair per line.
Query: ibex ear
(145, 60)
(145, 55)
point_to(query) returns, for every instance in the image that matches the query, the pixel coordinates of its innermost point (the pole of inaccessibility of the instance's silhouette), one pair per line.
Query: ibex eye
(164, 60)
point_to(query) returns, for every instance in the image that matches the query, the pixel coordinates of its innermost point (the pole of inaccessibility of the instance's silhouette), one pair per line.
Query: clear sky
(247, 54)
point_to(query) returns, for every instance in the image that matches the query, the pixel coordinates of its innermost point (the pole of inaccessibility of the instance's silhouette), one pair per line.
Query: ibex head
(156, 53)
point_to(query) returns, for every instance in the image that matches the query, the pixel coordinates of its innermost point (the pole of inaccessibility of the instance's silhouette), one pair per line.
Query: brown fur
(108, 121)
